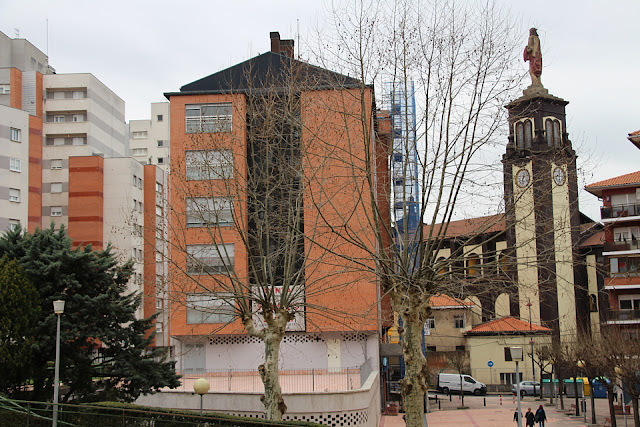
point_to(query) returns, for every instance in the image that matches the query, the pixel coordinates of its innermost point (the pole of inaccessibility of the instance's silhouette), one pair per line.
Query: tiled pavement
(496, 415)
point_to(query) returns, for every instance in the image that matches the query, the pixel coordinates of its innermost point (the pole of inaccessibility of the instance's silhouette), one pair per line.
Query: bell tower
(541, 200)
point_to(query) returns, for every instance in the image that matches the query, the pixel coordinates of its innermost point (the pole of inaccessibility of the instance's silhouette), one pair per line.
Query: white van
(452, 382)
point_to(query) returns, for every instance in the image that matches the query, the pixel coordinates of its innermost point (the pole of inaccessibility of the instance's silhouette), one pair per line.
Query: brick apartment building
(215, 152)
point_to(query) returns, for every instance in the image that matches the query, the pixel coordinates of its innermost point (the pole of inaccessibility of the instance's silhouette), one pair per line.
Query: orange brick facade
(86, 201)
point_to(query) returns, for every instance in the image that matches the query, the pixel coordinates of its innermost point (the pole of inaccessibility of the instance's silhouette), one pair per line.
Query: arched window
(553, 132)
(524, 134)
(443, 267)
(528, 133)
(473, 265)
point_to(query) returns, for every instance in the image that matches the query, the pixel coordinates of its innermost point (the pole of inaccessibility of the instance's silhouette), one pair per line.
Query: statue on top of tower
(533, 54)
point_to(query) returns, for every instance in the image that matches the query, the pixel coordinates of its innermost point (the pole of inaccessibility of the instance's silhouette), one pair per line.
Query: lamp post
(552, 390)
(201, 386)
(516, 356)
(58, 309)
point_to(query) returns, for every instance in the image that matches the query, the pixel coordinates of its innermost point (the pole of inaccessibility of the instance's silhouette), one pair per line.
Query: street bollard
(439, 407)
(485, 401)
(500, 400)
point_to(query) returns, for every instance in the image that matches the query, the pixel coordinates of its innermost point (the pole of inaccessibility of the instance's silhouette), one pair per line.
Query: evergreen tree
(105, 351)
(18, 317)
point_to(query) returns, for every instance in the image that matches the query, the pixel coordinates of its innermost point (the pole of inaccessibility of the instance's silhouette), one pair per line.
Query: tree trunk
(414, 383)
(612, 411)
(636, 415)
(272, 399)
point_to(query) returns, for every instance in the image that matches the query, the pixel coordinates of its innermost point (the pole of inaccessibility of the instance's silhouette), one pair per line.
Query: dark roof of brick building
(267, 71)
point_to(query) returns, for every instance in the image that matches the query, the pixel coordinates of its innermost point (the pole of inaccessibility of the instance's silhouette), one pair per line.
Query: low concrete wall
(359, 407)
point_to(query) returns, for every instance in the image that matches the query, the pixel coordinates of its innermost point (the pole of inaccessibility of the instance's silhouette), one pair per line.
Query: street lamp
(201, 386)
(516, 356)
(58, 309)
(552, 391)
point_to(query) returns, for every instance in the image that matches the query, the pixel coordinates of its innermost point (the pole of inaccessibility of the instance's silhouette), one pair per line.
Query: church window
(552, 132)
(524, 134)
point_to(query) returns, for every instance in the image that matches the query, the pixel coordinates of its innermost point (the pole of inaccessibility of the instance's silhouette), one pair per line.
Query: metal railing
(33, 414)
(619, 211)
(291, 380)
(626, 245)
(623, 315)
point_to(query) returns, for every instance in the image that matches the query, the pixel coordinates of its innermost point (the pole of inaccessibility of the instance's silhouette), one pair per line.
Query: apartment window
(458, 321)
(5, 89)
(15, 165)
(139, 134)
(14, 224)
(135, 181)
(79, 94)
(139, 151)
(159, 188)
(58, 119)
(78, 118)
(509, 378)
(56, 187)
(79, 140)
(209, 308)
(14, 195)
(209, 164)
(625, 265)
(431, 323)
(626, 234)
(215, 259)
(160, 143)
(159, 117)
(56, 210)
(160, 160)
(629, 302)
(15, 134)
(56, 164)
(207, 118)
(473, 262)
(209, 211)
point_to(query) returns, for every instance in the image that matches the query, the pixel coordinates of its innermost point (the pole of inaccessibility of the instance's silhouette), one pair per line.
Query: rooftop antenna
(17, 32)
(47, 39)
(298, 35)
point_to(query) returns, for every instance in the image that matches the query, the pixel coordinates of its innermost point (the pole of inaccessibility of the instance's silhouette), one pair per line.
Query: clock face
(522, 178)
(558, 176)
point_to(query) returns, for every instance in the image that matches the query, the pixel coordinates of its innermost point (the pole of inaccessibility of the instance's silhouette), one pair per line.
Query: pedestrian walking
(531, 419)
(541, 416)
(515, 415)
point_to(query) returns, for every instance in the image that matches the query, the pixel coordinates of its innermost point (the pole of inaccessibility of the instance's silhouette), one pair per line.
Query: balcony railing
(619, 211)
(627, 245)
(617, 315)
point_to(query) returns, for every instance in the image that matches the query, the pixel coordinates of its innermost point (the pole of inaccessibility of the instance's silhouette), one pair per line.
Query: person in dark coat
(515, 415)
(541, 416)
(531, 419)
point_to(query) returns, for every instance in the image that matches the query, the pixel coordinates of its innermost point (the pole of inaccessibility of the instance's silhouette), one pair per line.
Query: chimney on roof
(283, 47)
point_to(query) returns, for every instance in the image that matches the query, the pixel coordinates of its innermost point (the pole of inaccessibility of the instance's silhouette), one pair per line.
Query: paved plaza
(495, 414)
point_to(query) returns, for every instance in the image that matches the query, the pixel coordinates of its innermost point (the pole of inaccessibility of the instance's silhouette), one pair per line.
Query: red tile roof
(629, 179)
(507, 325)
(635, 133)
(465, 227)
(445, 301)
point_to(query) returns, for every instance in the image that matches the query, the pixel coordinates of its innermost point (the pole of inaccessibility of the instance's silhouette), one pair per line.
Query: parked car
(452, 383)
(527, 388)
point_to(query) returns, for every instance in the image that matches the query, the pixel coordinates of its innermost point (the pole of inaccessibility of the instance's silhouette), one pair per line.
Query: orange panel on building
(86, 200)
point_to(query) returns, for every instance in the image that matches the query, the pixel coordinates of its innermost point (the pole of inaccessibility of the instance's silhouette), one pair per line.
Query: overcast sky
(141, 49)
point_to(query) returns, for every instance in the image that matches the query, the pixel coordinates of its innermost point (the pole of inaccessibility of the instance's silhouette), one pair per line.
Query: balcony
(620, 211)
(623, 316)
(627, 245)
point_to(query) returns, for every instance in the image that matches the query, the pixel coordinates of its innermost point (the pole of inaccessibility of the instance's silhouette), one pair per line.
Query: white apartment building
(82, 117)
(14, 167)
(149, 139)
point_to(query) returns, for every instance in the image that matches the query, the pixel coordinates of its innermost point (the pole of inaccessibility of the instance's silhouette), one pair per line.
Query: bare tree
(460, 59)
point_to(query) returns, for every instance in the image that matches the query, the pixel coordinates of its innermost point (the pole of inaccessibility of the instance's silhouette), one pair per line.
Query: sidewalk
(496, 415)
